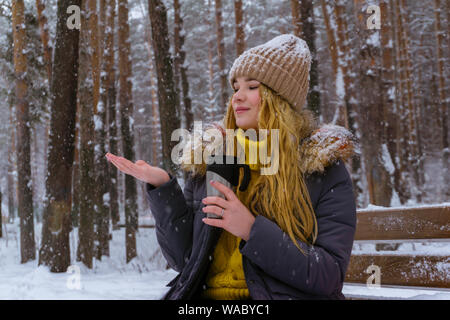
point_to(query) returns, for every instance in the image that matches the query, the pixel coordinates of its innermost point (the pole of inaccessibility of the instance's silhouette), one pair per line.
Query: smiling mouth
(238, 111)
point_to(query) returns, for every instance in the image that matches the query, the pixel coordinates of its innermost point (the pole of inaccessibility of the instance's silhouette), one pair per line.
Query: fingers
(213, 209)
(229, 194)
(216, 200)
(213, 222)
(121, 163)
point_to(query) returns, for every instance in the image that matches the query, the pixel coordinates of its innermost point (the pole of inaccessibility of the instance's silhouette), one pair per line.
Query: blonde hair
(269, 195)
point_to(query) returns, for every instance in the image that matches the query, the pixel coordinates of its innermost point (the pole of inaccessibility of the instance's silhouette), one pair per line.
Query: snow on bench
(420, 272)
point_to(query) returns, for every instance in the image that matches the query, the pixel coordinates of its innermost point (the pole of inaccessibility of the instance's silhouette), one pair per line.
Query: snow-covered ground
(145, 277)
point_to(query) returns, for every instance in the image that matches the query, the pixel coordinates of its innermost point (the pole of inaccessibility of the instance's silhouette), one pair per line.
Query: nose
(238, 96)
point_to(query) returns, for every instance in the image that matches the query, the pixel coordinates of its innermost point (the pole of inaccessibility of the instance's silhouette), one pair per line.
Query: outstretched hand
(140, 170)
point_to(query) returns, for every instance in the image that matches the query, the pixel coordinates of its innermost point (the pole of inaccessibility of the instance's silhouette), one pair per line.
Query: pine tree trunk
(296, 17)
(155, 132)
(390, 119)
(443, 104)
(240, 25)
(212, 109)
(55, 249)
(371, 111)
(101, 167)
(181, 56)
(27, 244)
(45, 39)
(340, 116)
(11, 165)
(177, 57)
(343, 54)
(169, 120)
(126, 112)
(86, 100)
(309, 35)
(402, 147)
(221, 58)
(332, 47)
(75, 213)
(111, 109)
(412, 139)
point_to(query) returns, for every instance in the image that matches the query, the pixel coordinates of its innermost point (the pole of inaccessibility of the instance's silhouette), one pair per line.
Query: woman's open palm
(140, 170)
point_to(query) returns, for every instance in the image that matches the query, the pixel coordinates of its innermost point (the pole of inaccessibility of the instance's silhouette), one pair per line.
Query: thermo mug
(226, 173)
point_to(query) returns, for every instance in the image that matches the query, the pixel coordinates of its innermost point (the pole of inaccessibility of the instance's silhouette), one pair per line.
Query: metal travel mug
(226, 173)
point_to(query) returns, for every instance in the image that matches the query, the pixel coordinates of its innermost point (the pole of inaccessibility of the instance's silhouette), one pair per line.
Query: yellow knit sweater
(225, 279)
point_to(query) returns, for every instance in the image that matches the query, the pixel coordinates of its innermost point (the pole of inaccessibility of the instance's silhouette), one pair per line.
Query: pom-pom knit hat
(282, 64)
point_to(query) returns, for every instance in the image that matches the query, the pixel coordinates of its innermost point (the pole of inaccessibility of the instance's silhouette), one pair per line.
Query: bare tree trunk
(126, 112)
(303, 21)
(27, 244)
(221, 58)
(155, 132)
(240, 33)
(111, 107)
(181, 56)
(75, 213)
(343, 54)
(332, 47)
(414, 163)
(341, 114)
(101, 164)
(169, 120)
(402, 147)
(442, 97)
(86, 88)
(45, 39)
(369, 72)
(390, 119)
(177, 58)
(309, 35)
(296, 18)
(55, 249)
(11, 165)
(211, 107)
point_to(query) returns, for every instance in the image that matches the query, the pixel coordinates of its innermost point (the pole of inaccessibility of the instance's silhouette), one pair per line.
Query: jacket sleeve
(322, 269)
(173, 215)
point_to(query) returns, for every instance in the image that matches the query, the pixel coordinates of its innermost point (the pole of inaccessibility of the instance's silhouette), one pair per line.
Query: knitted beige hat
(283, 64)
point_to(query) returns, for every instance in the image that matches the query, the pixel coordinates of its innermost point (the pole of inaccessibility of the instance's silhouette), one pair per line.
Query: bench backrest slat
(398, 224)
(402, 270)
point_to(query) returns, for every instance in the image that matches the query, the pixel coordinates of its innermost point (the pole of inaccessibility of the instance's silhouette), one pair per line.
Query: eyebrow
(246, 80)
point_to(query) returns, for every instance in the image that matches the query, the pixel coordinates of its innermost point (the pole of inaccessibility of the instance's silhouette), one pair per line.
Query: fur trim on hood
(323, 147)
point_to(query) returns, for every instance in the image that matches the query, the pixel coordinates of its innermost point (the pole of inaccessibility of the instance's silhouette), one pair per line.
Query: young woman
(289, 235)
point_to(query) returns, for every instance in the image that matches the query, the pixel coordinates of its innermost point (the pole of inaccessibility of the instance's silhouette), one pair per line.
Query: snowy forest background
(388, 85)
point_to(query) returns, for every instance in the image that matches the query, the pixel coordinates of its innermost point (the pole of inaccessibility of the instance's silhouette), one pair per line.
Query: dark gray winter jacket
(274, 267)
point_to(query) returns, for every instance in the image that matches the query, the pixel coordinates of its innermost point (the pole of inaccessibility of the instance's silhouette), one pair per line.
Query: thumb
(140, 162)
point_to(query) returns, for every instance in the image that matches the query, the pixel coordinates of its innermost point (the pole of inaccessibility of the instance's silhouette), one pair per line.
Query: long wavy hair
(283, 197)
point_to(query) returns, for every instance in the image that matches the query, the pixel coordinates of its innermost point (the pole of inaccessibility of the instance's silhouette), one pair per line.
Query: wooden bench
(396, 274)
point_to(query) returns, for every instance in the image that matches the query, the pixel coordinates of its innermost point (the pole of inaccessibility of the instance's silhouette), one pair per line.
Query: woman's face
(246, 103)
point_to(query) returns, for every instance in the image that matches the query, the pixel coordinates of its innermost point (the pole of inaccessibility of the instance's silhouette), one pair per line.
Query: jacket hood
(320, 149)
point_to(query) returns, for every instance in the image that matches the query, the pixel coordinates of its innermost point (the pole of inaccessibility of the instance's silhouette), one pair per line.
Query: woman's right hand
(140, 170)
